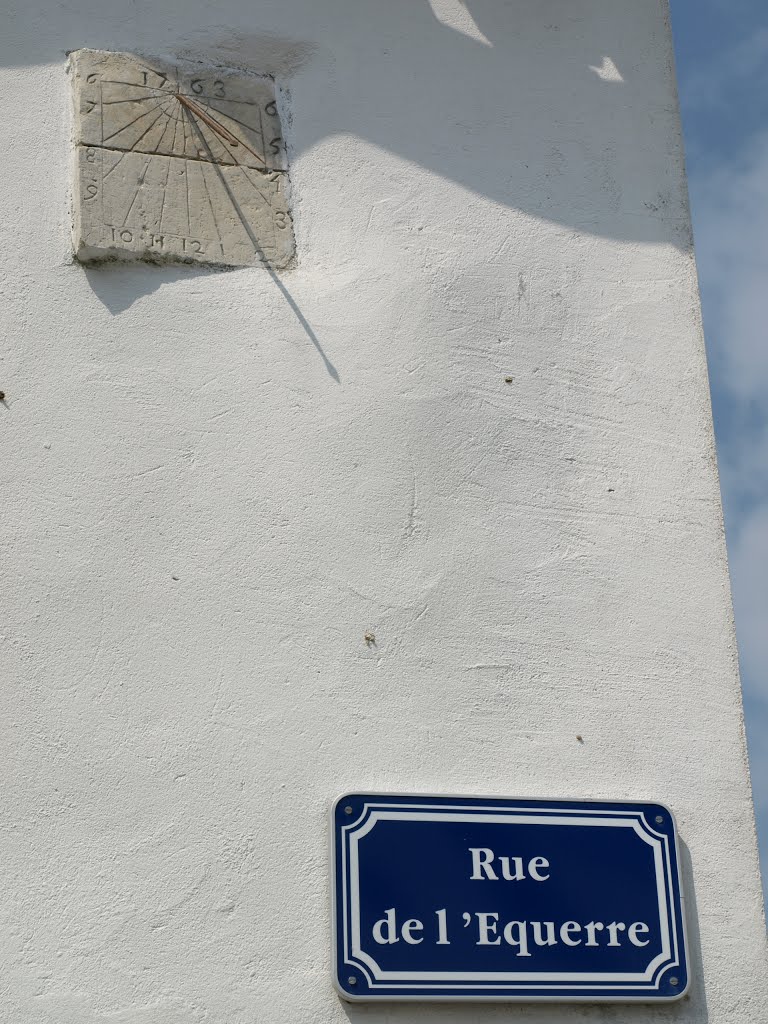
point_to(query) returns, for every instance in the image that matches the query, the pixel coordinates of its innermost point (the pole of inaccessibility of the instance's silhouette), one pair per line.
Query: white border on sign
(497, 984)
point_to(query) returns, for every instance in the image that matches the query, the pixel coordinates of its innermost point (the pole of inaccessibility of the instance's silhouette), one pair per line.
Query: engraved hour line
(261, 195)
(213, 212)
(204, 97)
(184, 135)
(226, 154)
(137, 99)
(194, 118)
(219, 128)
(138, 118)
(162, 133)
(180, 156)
(125, 152)
(228, 157)
(132, 147)
(214, 147)
(138, 189)
(248, 127)
(186, 175)
(171, 120)
(266, 202)
(219, 99)
(167, 176)
(253, 185)
(230, 195)
(239, 166)
(270, 207)
(210, 120)
(256, 131)
(204, 141)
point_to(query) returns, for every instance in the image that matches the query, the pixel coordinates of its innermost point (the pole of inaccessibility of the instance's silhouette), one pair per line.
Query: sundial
(181, 163)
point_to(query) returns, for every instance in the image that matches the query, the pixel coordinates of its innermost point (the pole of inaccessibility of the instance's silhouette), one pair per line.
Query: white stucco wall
(214, 485)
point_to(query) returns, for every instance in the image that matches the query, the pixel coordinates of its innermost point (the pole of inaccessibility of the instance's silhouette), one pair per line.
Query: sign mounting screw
(674, 981)
(352, 981)
(659, 820)
(348, 809)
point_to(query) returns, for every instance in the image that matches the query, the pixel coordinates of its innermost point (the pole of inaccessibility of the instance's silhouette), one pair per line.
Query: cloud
(749, 559)
(731, 226)
(745, 61)
(730, 207)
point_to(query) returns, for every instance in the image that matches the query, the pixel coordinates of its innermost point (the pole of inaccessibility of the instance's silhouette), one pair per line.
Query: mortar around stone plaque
(177, 163)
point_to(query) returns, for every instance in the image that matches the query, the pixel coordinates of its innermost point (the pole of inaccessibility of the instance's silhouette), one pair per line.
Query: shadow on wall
(410, 76)
(117, 286)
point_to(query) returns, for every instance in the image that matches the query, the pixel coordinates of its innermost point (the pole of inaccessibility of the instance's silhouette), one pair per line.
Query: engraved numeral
(271, 108)
(91, 106)
(91, 191)
(281, 219)
(90, 156)
(275, 144)
(194, 246)
(197, 85)
(123, 236)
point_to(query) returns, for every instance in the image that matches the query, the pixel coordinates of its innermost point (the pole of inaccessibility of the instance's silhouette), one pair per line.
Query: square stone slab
(177, 163)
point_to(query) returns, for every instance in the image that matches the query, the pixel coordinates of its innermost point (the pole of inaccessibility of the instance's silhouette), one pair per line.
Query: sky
(722, 66)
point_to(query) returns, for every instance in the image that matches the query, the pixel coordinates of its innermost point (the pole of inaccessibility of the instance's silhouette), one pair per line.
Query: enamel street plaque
(454, 898)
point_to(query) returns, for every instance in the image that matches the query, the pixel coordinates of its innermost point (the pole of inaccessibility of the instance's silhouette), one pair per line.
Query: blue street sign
(449, 898)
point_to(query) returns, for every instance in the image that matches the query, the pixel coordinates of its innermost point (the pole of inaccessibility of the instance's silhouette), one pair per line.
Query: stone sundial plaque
(177, 163)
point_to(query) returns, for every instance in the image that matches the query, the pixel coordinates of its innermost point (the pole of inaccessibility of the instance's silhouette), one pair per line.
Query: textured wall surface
(216, 483)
